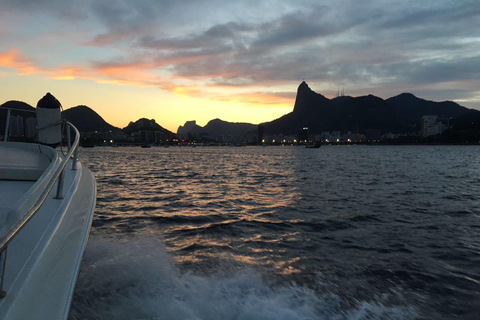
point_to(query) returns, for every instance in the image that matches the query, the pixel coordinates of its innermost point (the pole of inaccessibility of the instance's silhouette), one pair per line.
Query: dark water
(347, 232)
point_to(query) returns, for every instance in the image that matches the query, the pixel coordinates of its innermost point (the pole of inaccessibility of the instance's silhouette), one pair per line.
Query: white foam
(139, 280)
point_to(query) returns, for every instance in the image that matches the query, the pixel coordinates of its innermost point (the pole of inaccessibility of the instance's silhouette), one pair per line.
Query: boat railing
(58, 175)
(7, 122)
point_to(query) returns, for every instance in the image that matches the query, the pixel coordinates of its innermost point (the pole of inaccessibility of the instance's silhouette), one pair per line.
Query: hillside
(17, 105)
(87, 120)
(218, 127)
(357, 114)
(190, 127)
(215, 129)
(146, 125)
(413, 108)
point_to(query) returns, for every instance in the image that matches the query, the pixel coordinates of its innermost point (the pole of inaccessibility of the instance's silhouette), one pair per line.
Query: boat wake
(138, 279)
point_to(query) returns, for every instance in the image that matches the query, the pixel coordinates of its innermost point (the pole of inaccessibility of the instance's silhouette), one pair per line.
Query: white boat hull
(43, 260)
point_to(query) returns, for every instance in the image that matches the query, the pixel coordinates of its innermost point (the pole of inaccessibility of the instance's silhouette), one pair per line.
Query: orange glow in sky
(125, 93)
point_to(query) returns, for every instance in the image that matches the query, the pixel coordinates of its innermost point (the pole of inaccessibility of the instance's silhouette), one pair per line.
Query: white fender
(49, 118)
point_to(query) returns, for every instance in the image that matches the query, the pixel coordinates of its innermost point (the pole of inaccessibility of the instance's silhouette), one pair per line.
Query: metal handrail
(17, 109)
(59, 174)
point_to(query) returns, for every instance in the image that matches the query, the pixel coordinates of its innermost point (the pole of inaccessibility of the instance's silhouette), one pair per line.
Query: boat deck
(21, 165)
(27, 163)
(12, 191)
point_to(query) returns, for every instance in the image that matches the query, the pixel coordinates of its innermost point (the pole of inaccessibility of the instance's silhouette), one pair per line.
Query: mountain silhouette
(308, 101)
(87, 120)
(215, 128)
(17, 105)
(218, 127)
(398, 114)
(413, 108)
(190, 127)
(146, 125)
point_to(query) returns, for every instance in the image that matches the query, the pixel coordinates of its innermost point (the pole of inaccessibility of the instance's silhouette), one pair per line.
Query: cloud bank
(250, 50)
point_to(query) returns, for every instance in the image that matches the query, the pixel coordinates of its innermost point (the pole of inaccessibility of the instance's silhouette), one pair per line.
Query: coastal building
(352, 138)
(303, 135)
(252, 138)
(431, 125)
(274, 139)
(260, 133)
(290, 139)
(136, 136)
(160, 137)
(389, 136)
(335, 136)
(325, 136)
(373, 135)
(121, 136)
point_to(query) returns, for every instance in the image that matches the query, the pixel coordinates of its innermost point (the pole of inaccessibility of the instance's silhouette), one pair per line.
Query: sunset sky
(239, 61)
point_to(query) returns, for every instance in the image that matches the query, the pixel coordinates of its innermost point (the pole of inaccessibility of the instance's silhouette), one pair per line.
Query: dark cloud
(308, 25)
(443, 94)
(434, 14)
(71, 11)
(223, 35)
(280, 50)
(458, 69)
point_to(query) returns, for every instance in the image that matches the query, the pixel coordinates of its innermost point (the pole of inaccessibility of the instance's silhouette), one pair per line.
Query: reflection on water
(393, 225)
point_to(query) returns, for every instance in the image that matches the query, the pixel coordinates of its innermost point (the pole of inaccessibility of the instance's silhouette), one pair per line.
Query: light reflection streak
(206, 204)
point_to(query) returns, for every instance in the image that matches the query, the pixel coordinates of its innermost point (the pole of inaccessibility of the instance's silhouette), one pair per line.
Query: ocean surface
(340, 232)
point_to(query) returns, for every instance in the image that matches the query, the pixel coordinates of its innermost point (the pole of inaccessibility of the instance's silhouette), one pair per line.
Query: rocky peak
(306, 99)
